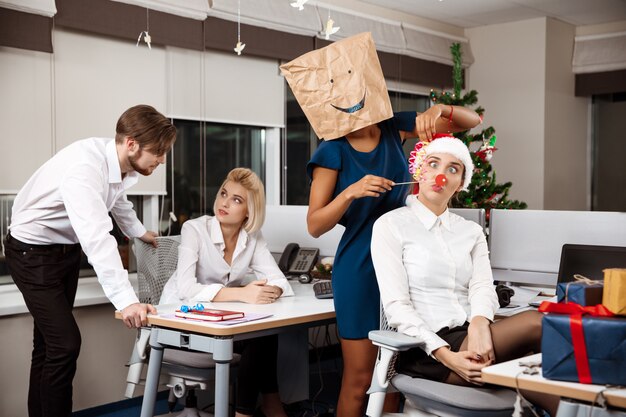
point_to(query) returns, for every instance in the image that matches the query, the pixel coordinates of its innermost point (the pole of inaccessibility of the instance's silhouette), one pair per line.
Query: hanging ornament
(487, 149)
(299, 4)
(146, 36)
(239, 47)
(329, 29)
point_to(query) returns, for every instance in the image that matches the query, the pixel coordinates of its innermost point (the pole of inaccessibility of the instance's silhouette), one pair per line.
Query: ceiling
(472, 13)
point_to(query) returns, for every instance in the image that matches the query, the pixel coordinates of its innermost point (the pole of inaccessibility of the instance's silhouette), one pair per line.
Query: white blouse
(433, 272)
(202, 271)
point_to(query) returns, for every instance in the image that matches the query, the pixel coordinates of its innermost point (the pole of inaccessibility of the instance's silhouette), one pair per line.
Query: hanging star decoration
(330, 30)
(299, 4)
(487, 149)
(146, 38)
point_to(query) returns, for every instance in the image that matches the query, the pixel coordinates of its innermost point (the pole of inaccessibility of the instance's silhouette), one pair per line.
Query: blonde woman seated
(435, 279)
(214, 257)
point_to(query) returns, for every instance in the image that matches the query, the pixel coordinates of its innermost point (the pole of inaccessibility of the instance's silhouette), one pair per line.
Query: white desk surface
(505, 374)
(301, 308)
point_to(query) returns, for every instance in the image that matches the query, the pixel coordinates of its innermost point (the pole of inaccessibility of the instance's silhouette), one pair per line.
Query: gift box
(583, 293)
(595, 353)
(614, 295)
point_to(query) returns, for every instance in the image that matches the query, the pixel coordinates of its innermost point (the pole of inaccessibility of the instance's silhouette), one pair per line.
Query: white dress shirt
(202, 271)
(68, 200)
(433, 272)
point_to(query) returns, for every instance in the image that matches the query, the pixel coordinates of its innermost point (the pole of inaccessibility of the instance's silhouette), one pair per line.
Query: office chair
(426, 398)
(187, 370)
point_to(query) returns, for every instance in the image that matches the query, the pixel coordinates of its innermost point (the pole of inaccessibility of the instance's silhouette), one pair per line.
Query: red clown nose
(441, 180)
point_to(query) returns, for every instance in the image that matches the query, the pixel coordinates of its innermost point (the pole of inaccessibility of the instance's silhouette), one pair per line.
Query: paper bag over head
(340, 87)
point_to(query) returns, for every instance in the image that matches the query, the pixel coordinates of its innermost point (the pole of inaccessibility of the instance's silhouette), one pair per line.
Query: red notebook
(210, 314)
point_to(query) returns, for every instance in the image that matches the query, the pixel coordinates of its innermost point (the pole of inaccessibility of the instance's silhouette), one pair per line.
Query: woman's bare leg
(359, 357)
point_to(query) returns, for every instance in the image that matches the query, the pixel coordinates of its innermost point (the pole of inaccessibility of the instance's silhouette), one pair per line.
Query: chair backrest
(476, 215)
(155, 266)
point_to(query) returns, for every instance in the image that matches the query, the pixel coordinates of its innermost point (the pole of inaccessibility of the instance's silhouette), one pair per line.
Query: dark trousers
(257, 371)
(47, 276)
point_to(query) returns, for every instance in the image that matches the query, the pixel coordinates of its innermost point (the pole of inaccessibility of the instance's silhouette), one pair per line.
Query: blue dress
(355, 289)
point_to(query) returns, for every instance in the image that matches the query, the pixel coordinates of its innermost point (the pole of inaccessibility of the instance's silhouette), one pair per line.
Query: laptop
(586, 260)
(589, 261)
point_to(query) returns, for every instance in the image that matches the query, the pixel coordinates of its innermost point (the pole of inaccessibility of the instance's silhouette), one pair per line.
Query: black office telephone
(298, 261)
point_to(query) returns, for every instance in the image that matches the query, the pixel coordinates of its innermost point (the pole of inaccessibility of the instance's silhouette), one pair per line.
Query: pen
(402, 183)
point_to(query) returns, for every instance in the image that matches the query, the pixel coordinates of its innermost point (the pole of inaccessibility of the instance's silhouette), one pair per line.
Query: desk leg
(222, 355)
(222, 371)
(152, 378)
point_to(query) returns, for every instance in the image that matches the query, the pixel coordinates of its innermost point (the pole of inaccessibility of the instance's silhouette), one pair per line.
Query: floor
(324, 383)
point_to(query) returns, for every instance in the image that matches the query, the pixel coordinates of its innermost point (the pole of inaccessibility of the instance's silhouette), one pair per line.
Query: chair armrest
(392, 340)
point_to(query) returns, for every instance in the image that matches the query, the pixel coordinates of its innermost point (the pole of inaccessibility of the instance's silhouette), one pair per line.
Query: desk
(301, 310)
(504, 374)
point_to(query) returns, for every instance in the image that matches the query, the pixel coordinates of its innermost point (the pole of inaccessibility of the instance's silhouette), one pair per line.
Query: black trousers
(257, 371)
(47, 276)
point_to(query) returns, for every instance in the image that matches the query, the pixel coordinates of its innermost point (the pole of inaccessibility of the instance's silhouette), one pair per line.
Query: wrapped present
(583, 344)
(614, 295)
(582, 290)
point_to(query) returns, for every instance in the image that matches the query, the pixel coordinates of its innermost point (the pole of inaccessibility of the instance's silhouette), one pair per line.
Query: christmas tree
(484, 191)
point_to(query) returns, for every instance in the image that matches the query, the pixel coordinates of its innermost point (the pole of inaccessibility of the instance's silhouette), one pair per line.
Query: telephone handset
(298, 261)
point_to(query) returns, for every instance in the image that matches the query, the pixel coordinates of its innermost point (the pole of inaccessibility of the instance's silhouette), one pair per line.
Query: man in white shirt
(64, 206)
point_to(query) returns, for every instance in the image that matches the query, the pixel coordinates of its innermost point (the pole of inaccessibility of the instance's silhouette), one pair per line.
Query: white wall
(567, 183)
(509, 75)
(525, 82)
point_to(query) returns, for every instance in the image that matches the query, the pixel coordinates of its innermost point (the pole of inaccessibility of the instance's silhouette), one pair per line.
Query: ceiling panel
(470, 13)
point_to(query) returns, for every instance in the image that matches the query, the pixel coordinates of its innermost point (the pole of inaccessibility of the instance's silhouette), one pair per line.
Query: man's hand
(479, 340)
(150, 237)
(135, 315)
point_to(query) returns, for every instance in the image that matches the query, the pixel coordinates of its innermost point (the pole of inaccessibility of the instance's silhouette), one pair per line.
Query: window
(300, 142)
(202, 156)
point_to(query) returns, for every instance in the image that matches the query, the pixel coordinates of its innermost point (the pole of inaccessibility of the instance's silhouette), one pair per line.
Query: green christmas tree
(484, 191)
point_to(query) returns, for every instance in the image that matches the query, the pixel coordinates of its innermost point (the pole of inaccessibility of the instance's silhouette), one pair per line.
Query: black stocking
(515, 337)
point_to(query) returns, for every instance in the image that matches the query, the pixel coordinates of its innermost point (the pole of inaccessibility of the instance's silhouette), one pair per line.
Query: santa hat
(442, 144)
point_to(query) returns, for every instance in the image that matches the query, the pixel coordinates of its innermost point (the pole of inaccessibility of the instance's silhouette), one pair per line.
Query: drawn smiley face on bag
(341, 87)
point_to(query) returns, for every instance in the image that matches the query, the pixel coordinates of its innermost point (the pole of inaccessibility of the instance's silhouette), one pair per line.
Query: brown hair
(149, 128)
(256, 196)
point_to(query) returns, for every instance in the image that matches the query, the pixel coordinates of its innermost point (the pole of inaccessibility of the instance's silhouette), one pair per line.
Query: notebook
(209, 314)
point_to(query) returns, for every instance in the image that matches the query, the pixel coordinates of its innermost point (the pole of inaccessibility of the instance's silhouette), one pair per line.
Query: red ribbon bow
(576, 311)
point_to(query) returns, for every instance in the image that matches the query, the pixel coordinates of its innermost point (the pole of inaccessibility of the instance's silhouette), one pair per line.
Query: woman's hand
(368, 186)
(257, 292)
(425, 123)
(462, 363)
(479, 340)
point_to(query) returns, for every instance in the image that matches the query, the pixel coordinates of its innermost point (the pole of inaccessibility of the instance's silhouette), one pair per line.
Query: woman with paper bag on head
(342, 91)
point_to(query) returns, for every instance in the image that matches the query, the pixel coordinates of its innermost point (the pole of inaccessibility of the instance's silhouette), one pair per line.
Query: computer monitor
(589, 261)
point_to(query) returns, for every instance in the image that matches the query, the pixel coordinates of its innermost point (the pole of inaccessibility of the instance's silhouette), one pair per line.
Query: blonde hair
(256, 196)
